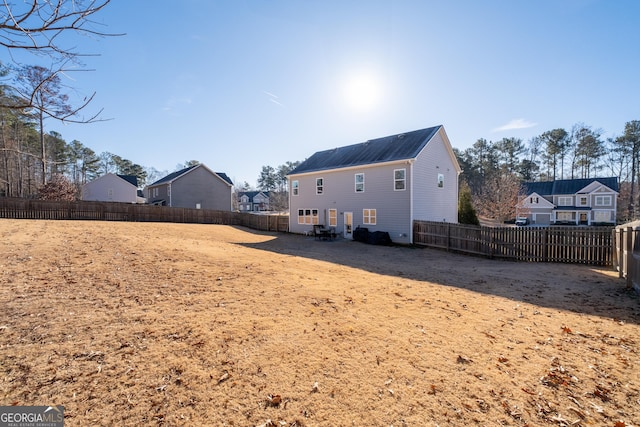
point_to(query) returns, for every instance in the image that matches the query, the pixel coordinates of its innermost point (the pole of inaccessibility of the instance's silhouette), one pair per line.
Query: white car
(520, 221)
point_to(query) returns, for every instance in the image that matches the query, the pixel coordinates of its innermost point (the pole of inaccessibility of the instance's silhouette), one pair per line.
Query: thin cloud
(276, 102)
(273, 98)
(515, 124)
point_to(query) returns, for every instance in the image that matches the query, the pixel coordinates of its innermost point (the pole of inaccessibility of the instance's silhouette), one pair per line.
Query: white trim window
(399, 179)
(319, 185)
(369, 216)
(308, 216)
(440, 180)
(533, 200)
(603, 200)
(295, 187)
(565, 201)
(359, 182)
(583, 201)
(602, 216)
(333, 217)
(564, 216)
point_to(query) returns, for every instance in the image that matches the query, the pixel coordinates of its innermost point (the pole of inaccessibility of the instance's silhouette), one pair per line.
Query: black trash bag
(379, 238)
(361, 234)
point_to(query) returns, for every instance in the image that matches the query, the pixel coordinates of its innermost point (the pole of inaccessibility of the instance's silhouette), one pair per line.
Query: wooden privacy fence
(111, 211)
(627, 254)
(577, 245)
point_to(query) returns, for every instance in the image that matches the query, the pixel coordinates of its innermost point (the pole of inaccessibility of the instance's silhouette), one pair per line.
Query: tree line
(31, 93)
(493, 171)
(29, 158)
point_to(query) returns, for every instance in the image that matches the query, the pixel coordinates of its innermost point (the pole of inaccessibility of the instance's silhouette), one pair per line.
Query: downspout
(169, 193)
(411, 203)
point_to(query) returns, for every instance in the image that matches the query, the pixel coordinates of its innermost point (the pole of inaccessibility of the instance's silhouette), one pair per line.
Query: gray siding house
(585, 201)
(196, 187)
(383, 184)
(112, 188)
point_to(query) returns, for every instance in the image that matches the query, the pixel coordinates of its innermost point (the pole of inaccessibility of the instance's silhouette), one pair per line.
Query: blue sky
(241, 84)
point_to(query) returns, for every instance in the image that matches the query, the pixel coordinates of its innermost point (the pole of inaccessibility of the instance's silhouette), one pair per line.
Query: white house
(112, 188)
(383, 184)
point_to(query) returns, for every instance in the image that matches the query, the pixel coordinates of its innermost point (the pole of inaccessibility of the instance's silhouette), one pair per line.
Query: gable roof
(252, 194)
(131, 179)
(389, 148)
(177, 174)
(566, 186)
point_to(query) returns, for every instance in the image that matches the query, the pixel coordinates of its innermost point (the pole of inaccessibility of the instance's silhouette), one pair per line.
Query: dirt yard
(173, 324)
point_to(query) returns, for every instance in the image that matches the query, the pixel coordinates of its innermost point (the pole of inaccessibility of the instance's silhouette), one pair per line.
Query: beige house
(112, 188)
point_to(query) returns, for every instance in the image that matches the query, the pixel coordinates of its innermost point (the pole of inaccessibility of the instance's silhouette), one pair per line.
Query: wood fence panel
(583, 245)
(14, 208)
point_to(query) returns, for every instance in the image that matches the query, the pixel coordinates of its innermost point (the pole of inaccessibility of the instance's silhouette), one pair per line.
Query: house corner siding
(430, 202)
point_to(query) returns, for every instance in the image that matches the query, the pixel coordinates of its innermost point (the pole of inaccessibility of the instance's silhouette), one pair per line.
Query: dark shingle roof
(176, 174)
(173, 175)
(252, 194)
(131, 179)
(390, 148)
(566, 186)
(225, 177)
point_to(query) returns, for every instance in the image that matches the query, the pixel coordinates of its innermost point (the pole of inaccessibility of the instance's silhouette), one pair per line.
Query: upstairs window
(359, 177)
(319, 185)
(583, 201)
(565, 201)
(440, 180)
(295, 187)
(533, 200)
(399, 179)
(603, 200)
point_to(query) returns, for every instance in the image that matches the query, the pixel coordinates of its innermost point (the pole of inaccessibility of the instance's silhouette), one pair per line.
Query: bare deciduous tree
(499, 197)
(40, 27)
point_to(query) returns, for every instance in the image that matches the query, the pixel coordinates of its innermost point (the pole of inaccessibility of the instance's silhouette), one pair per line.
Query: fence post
(629, 264)
(619, 247)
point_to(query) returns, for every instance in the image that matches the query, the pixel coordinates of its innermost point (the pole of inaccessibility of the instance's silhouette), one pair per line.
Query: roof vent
(401, 136)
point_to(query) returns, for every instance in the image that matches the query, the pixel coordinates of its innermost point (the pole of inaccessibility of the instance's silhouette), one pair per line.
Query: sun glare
(362, 91)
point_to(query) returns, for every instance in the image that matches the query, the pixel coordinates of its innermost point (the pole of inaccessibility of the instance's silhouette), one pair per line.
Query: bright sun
(362, 91)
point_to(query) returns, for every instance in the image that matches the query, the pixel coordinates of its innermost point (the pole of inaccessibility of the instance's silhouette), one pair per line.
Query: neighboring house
(112, 188)
(253, 201)
(383, 184)
(570, 201)
(196, 187)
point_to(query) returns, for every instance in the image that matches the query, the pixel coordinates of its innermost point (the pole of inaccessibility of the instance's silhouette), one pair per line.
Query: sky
(238, 85)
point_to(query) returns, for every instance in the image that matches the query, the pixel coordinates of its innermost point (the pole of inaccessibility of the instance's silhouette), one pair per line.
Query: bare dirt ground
(174, 324)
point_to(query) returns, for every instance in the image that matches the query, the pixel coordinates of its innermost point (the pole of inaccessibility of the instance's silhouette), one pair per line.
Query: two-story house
(585, 201)
(253, 201)
(195, 187)
(382, 184)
